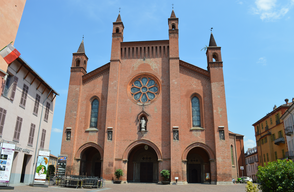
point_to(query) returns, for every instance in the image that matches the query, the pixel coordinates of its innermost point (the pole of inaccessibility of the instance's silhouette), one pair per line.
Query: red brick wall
(178, 84)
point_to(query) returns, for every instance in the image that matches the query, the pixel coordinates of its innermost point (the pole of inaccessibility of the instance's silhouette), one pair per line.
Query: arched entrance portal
(143, 165)
(197, 165)
(90, 162)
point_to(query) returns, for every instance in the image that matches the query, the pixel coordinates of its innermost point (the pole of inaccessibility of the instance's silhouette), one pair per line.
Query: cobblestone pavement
(140, 187)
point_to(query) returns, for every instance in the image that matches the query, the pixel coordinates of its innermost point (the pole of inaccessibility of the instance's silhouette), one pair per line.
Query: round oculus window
(144, 89)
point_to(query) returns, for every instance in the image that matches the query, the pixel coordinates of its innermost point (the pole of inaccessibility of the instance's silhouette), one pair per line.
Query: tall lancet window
(196, 112)
(94, 113)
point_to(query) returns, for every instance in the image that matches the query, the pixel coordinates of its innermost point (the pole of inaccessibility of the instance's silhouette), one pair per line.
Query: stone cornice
(215, 64)
(194, 68)
(78, 69)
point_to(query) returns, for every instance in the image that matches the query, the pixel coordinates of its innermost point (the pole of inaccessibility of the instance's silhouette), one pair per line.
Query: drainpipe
(237, 165)
(36, 149)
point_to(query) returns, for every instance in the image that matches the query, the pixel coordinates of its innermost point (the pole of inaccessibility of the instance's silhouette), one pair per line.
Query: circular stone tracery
(144, 89)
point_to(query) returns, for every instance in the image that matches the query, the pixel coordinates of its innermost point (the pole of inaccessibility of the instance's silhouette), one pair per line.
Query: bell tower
(112, 100)
(78, 69)
(175, 97)
(117, 38)
(221, 131)
(80, 58)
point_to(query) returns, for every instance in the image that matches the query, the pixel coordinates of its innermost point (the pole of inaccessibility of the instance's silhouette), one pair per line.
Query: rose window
(144, 89)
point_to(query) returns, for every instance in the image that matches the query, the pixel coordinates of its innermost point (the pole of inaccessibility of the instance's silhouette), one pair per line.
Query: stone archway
(198, 164)
(90, 157)
(143, 159)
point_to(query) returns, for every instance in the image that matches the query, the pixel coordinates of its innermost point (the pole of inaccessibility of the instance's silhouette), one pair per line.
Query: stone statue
(176, 135)
(110, 135)
(143, 124)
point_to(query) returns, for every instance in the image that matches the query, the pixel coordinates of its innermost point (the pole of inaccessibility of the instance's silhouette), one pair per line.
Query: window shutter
(2, 119)
(33, 133)
(19, 127)
(14, 88)
(24, 95)
(47, 111)
(37, 101)
(16, 128)
(43, 138)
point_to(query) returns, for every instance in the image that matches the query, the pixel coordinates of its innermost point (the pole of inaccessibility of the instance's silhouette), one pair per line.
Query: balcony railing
(289, 130)
(280, 140)
(251, 161)
(266, 127)
(277, 122)
(290, 154)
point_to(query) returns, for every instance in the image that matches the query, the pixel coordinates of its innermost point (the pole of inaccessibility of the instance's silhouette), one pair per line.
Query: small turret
(80, 58)
(213, 53)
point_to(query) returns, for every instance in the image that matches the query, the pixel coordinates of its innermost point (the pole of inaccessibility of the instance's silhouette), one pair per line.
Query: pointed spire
(173, 15)
(81, 48)
(212, 41)
(118, 18)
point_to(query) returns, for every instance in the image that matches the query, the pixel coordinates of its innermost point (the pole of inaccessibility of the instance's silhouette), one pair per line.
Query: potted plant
(118, 173)
(165, 174)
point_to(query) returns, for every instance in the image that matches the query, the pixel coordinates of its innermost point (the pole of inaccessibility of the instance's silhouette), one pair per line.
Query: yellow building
(270, 136)
(53, 161)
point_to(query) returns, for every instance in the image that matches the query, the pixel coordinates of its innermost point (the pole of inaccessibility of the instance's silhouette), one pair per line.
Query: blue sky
(256, 37)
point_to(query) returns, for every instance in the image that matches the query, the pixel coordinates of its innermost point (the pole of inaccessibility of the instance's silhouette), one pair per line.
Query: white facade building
(251, 159)
(25, 113)
(288, 119)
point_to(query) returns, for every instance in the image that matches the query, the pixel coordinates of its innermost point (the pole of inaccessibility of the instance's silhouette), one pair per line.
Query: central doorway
(143, 165)
(90, 162)
(198, 166)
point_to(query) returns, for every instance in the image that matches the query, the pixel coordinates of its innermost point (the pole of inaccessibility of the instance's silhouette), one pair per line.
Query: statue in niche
(176, 135)
(110, 135)
(143, 124)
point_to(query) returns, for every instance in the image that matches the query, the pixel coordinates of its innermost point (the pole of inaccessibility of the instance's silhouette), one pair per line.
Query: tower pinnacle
(212, 41)
(81, 47)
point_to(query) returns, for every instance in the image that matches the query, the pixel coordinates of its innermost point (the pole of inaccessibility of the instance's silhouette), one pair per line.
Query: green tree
(51, 169)
(250, 187)
(277, 176)
(118, 173)
(165, 174)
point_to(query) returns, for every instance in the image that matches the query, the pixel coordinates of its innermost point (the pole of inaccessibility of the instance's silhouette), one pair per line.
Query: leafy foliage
(250, 187)
(118, 173)
(51, 169)
(165, 174)
(276, 176)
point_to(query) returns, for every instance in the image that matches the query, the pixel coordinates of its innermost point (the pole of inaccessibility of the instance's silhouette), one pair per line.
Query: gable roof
(95, 72)
(194, 68)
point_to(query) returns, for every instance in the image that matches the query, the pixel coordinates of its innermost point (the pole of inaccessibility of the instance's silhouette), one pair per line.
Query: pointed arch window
(196, 120)
(232, 155)
(94, 113)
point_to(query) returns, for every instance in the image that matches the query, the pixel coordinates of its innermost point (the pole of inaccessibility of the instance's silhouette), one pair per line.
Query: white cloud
(262, 60)
(265, 5)
(249, 143)
(56, 130)
(270, 10)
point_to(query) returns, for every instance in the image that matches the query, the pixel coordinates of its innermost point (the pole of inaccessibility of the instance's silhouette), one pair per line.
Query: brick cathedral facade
(147, 110)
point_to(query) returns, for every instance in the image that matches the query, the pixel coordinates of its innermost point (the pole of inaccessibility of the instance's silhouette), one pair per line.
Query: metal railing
(289, 130)
(79, 181)
(252, 161)
(279, 140)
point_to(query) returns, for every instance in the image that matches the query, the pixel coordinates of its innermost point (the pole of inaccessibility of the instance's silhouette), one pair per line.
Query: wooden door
(146, 172)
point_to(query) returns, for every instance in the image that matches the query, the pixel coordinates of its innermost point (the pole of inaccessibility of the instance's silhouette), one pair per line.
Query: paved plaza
(141, 187)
